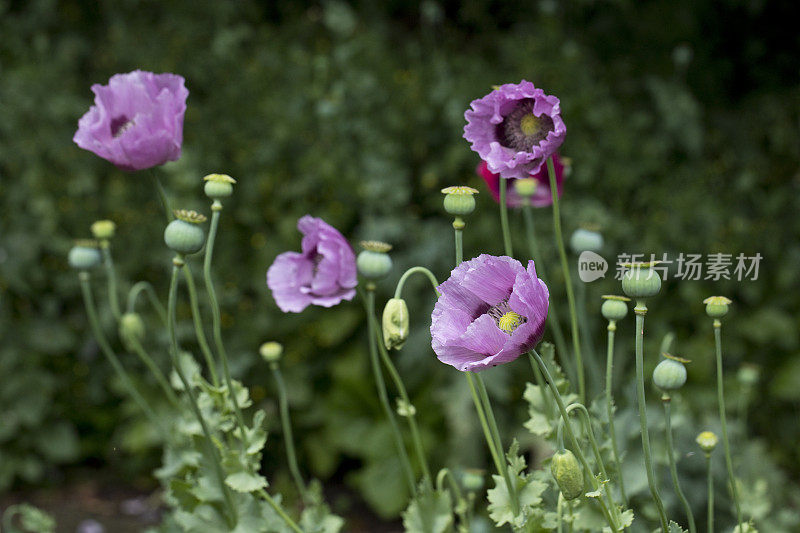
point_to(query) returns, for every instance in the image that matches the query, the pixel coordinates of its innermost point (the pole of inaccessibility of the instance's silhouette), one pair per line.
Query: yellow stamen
(510, 321)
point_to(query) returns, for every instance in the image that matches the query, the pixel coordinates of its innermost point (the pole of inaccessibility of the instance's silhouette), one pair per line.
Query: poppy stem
(612, 328)
(710, 486)
(673, 467)
(398, 292)
(144, 286)
(509, 251)
(111, 275)
(286, 424)
(199, 330)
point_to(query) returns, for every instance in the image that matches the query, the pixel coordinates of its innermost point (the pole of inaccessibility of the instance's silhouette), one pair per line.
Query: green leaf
(529, 488)
(429, 512)
(675, 528)
(245, 482)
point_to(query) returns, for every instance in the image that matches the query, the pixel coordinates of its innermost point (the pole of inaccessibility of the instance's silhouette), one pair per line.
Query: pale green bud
(586, 240)
(103, 229)
(395, 323)
(84, 255)
(472, 480)
(271, 351)
(670, 374)
(568, 474)
(614, 307)
(131, 327)
(184, 234)
(641, 281)
(707, 441)
(526, 187)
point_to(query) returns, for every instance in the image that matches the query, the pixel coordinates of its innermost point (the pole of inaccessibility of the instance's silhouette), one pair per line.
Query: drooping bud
(374, 262)
(707, 441)
(84, 255)
(614, 307)
(131, 327)
(458, 200)
(670, 374)
(395, 323)
(103, 230)
(568, 474)
(218, 186)
(717, 306)
(472, 479)
(586, 239)
(271, 351)
(184, 234)
(641, 280)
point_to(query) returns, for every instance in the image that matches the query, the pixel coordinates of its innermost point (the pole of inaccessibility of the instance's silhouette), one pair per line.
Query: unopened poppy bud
(184, 234)
(717, 306)
(670, 374)
(84, 255)
(641, 280)
(614, 307)
(374, 261)
(472, 480)
(459, 200)
(395, 323)
(568, 474)
(271, 351)
(131, 327)
(103, 229)
(586, 239)
(707, 441)
(218, 186)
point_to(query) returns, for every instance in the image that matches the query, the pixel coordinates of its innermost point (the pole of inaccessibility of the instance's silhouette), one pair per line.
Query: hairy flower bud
(641, 280)
(218, 186)
(395, 323)
(707, 441)
(184, 234)
(717, 306)
(103, 229)
(670, 374)
(459, 200)
(84, 255)
(374, 261)
(614, 307)
(568, 474)
(584, 239)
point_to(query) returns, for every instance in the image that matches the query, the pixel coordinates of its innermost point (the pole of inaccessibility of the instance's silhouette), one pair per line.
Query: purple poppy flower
(323, 274)
(491, 311)
(540, 198)
(515, 128)
(136, 121)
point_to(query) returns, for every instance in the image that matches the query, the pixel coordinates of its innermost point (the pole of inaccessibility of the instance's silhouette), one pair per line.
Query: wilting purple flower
(515, 128)
(136, 121)
(491, 310)
(323, 274)
(541, 198)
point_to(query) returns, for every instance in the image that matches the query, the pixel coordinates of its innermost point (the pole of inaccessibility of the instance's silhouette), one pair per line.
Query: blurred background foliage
(683, 122)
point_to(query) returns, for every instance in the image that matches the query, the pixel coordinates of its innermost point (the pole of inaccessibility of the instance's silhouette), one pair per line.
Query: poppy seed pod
(218, 186)
(707, 441)
(641, 281)
(271, 351)
(459, 201)
(669, 374)
(395, 323)
(374, 262)
(583, 240)
(184, 234)
(84, 255)
(103, 229)
(568, 474)
(717, 306)
(614, 307)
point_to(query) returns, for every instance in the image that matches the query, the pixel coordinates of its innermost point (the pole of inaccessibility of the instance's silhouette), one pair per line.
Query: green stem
(111, 275)
(383, 395)
(198, 325)
(612, 328)
(216, 318)
(588, 344)
(143, 286)
(725, 442)
(278, 509)
(458, 226)
(562, 252)
(461, 503)
(673, 467)
(105, 347)
(137, 347)
(537, 373)
(641, 310)
(286, 423)
(174, 355)
(398, 292)
(710, 485)
(558, 511)
(509, 251)
(162, 194)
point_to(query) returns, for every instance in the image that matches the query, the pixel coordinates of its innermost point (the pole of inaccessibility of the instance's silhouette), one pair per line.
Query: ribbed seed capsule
(568, 474)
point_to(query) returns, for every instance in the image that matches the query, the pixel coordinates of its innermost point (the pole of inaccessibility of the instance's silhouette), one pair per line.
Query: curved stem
(198, 325)
(562, 252)
(143, 286)
(537, 373)
(509, 251)
(673, 467)
(641, 310)
(398, 292)
(278, 509)
(380, 384)
(111, 275)
(159, 376)
(291, 455)
(612, 328)
(162, 194)
(174, 354)
(105, 347)
(710, 485)
(725, 442)
(216, 319)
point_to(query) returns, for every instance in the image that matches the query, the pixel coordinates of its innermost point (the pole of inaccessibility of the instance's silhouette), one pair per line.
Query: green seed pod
(717, 306)
(184, 235)
(614, 307)
(84, 255)
(374, 262)
(131, 327)
(472, 480)
(748, 375)
(568, 474)
(707, 441)
(670, 374)
(526, 187)
(458, 201)
(218, 186)
(103, 229)
(395, 323)
(641, 281)
(271, 351)
(583, 240)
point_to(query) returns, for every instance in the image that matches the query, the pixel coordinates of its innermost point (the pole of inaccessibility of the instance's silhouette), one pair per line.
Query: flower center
(506, 319)
(315, 261)
(120, 125)
(521, 130)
